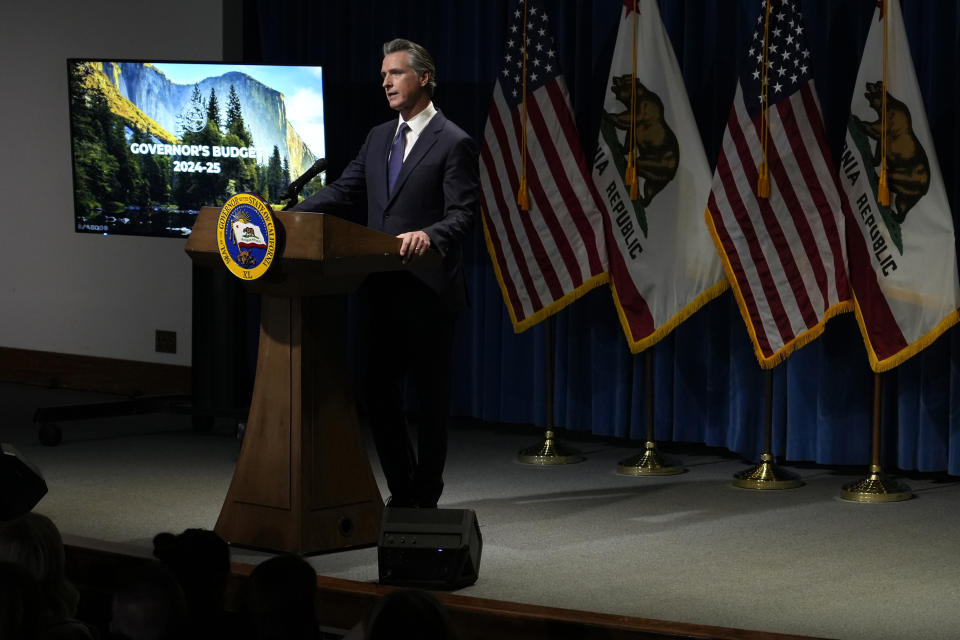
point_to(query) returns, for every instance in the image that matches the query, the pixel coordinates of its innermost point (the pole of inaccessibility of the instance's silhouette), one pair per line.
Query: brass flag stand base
(650, 462)
(549, 452)
(876, 487)
(767, 475)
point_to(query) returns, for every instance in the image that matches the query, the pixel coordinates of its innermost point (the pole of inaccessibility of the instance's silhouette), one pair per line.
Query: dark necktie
(396, 156)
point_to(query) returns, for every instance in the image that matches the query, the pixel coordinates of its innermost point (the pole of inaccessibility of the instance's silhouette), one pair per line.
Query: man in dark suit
(419, 174)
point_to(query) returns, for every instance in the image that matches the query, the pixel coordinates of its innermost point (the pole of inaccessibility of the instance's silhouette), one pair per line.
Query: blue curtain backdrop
(708, 387)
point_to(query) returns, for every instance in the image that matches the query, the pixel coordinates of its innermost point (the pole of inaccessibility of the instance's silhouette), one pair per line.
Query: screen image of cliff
(154, 142)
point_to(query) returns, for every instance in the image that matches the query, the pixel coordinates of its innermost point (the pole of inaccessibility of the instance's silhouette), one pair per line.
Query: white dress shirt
(417, 124)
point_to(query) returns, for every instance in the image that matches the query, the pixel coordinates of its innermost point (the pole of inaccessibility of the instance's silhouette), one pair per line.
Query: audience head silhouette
(148, 604)
(282, 599)
(200, 561)
(33, 542)
(410, 613)
(20, 603)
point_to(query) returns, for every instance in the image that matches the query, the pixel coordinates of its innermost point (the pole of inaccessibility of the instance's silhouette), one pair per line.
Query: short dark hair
(419, 58)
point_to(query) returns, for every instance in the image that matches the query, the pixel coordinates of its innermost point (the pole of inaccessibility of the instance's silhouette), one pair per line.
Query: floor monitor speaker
(22, 484)
(429, 548)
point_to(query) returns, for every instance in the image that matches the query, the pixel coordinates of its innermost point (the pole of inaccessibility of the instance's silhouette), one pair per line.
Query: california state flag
(247, 235)
(663, 264)
(903, 263)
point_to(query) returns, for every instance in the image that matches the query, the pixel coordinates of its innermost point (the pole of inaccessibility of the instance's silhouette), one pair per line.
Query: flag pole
(650, 462)
(550, 451)
(876, 487)
(767, 475)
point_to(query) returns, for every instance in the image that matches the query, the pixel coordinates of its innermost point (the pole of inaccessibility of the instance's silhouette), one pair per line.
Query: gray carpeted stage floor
(687, 548)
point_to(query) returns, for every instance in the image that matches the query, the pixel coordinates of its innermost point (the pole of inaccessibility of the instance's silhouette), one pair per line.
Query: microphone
(294, 188)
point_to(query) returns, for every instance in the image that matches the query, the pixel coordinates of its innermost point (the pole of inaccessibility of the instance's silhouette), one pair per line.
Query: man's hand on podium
(413, 245)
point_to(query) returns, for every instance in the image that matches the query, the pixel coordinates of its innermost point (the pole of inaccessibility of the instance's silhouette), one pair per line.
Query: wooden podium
(303, 482)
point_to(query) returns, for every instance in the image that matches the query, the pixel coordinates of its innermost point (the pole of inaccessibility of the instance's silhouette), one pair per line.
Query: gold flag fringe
(805, 338)
(642, 344)
(912, 349)
(522, 325)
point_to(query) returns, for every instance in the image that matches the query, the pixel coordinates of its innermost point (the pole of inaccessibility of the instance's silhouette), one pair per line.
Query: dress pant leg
(431, 376)
(410, 334)
(389, 429)
(386, 340)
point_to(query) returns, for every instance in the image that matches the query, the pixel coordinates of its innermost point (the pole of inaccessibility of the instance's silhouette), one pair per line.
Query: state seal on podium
(246, 236)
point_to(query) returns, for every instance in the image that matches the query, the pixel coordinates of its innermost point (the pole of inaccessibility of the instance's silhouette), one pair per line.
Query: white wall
(59, 290)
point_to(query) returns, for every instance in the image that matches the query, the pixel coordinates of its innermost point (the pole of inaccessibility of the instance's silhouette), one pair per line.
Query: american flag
(784, 255)
(548, 256)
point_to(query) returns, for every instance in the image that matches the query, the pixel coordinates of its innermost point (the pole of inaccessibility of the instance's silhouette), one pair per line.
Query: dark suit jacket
(437, 192)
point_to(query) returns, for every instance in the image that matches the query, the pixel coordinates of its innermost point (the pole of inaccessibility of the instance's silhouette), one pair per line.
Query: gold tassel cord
(630, 179)
(763, 179)
(883, 191)
(523, 198)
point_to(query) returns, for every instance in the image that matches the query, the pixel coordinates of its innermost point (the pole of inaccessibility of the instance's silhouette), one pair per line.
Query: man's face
(400, 82)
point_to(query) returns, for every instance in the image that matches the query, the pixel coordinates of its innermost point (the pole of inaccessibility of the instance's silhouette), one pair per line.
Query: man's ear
(424, 78)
